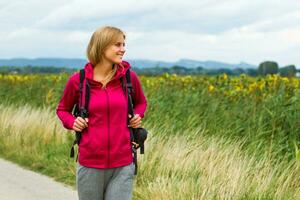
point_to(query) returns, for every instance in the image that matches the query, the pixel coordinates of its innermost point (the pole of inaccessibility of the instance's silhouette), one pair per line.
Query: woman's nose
(123, 48)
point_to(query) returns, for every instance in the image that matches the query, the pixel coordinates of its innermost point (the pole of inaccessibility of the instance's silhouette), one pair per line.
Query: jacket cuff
(69, 123)
(141, 114)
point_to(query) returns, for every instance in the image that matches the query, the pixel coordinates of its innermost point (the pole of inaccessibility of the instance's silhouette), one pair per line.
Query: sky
(231, 31)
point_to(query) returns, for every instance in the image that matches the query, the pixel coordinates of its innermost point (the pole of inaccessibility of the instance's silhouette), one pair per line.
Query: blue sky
(229, 30)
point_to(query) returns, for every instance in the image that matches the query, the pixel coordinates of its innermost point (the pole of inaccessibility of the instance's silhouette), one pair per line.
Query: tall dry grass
(185, 165)
(34, 138)
(201, 167)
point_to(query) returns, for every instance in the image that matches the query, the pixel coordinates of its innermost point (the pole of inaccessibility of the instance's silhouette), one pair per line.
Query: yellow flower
(238, 88)
(211, 88)
(285, 79)
(252, 87)
(262, 85)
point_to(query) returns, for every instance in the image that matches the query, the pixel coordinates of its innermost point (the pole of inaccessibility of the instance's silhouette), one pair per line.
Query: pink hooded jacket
(105, 143)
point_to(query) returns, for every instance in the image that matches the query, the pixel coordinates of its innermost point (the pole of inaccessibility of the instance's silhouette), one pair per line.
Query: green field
(210, 137)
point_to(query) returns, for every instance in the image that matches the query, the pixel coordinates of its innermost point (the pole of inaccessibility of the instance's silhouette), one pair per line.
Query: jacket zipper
(108, 128)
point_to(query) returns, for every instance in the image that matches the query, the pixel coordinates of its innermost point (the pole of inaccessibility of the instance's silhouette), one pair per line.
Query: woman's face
(114, 53)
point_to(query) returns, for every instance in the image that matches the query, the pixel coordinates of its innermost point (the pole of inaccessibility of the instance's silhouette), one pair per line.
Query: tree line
(264, 68)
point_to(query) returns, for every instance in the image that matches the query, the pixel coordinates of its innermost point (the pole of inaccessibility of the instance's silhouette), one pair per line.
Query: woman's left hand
(136, 121)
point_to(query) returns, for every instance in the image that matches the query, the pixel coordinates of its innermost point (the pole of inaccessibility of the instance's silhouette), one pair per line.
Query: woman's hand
(136, 121)
(80, 124)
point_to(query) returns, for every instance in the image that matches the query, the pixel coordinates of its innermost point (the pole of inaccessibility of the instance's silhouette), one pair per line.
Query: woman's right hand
(80, 124)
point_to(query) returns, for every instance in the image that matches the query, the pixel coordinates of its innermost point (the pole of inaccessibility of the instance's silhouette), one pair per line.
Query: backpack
(137, 135)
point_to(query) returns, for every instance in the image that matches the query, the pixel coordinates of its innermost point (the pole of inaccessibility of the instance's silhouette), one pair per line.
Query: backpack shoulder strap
(128, 79)
(81, 79)
(81, 76)
(129, 84)
(129, 89)
(86, 90)
(81, 106)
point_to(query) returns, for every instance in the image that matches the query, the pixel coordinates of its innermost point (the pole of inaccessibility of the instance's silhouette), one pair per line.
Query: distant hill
(55, 62)
(139, 63)
(212, 64)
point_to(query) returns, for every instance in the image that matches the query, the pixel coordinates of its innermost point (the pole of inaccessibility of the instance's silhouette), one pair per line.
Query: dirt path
(17, 183)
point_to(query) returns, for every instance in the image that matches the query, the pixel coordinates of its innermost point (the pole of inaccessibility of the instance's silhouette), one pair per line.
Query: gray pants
(105, 184)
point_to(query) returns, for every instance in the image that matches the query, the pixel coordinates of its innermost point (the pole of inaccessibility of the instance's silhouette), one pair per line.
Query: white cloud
(41, 43)
(232, 46)
(229, 30)
(78, 13)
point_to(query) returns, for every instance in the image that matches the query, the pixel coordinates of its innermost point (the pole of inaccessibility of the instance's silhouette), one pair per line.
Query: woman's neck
(103, 69)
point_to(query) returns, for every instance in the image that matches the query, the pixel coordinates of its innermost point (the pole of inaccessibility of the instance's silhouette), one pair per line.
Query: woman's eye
(120, 44)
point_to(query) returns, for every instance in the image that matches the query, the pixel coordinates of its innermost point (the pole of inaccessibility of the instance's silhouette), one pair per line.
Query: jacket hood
(121, 70)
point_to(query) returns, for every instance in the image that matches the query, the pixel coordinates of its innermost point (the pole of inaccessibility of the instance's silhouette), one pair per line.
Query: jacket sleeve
(139, 99)
(66, 104)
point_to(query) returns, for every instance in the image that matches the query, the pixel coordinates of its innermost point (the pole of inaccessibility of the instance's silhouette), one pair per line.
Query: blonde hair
(102, 38)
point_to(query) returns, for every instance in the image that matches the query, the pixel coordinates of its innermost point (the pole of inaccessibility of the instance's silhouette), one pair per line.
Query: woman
(105, 169)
